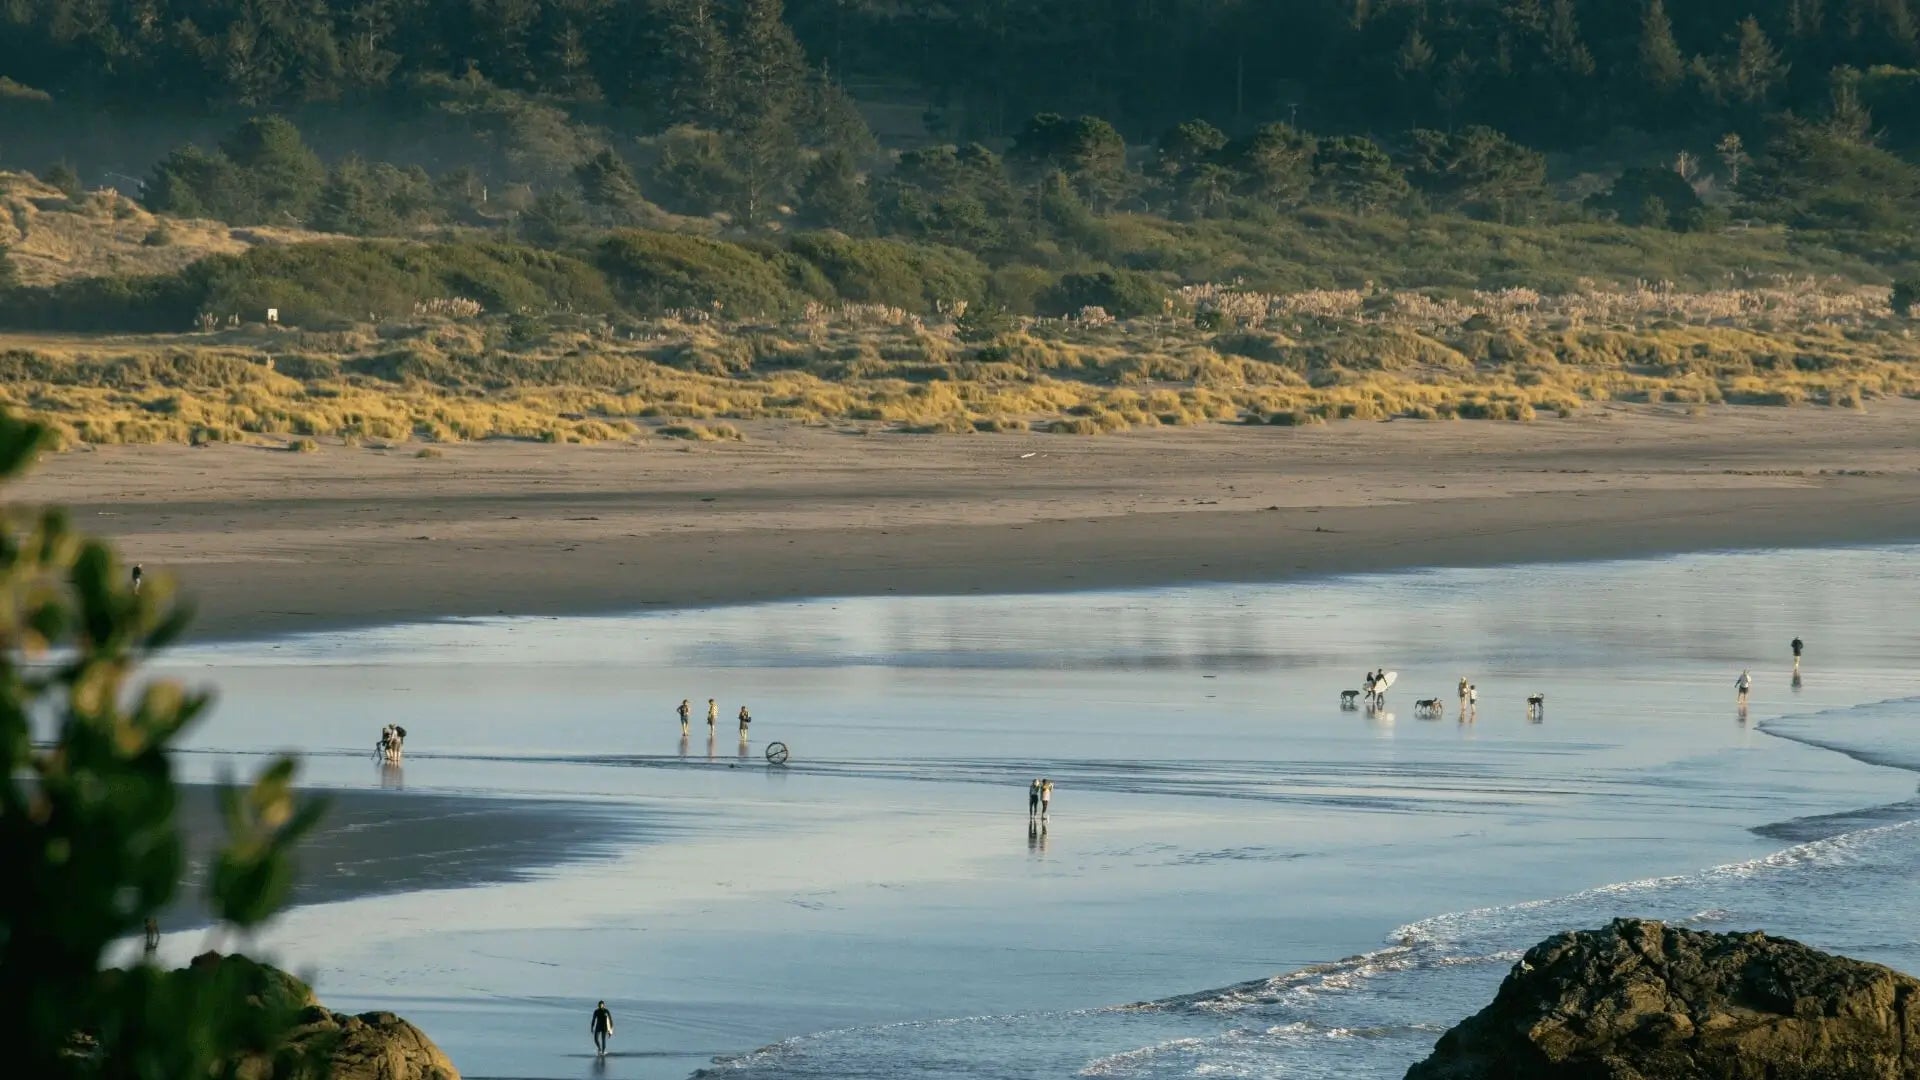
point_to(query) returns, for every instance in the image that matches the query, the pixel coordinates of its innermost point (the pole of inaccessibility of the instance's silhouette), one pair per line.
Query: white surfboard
(1386, 682)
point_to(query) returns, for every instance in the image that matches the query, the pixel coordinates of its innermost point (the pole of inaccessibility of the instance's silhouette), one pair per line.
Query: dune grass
(1228, 356)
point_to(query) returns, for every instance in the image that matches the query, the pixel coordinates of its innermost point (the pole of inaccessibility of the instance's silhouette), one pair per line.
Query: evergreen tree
(1354, 172)
(1847, 116)
(1756, 67)
(607, 184)
(1185, 147)
(1662, 67)
(282, 176)
(1086, 150)
(698, 58)
(833, 194)
(1274, 164)
(189, 182)
(1476, 170)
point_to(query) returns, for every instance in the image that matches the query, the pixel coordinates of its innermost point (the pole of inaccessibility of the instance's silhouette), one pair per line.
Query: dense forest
(1177, 139)
(1554, 73)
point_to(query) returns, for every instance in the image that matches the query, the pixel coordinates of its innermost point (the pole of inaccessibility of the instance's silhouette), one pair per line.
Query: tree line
(1553, 73)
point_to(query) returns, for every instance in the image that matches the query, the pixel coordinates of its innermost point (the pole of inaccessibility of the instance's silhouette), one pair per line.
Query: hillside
(52, 238)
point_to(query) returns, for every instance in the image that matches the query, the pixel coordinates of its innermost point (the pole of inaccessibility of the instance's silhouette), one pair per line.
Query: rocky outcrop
(373, 1046)
(370, 1046)
(1646, 1001)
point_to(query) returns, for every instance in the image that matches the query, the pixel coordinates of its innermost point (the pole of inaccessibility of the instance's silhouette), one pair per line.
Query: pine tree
(282, 174)
(1564, 45)
(834, 195)
(1757, 66)
(763, 140)
(1847, 116)
(1662, 67)
(1354, 172)
(607, 184)
(699, 57)
(1275, 164)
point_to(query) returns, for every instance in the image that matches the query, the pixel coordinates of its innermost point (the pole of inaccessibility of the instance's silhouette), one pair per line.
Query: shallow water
(879, 907)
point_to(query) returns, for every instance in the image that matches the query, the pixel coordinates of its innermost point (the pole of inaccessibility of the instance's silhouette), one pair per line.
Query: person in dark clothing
(139, 575)
(602, 1027)
(1797, 646)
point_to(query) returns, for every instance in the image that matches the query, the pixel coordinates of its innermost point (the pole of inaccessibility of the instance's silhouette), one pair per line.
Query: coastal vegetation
(581, 220)
(88, 831)
(1214, 355)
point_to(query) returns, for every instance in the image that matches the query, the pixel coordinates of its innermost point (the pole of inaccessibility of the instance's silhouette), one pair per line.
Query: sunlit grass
(1228, 357)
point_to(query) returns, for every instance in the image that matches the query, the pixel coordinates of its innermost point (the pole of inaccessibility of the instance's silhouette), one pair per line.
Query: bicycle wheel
(776, 753)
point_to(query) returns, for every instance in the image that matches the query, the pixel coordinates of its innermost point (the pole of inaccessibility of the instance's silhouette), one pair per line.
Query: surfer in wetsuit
(601, 1027)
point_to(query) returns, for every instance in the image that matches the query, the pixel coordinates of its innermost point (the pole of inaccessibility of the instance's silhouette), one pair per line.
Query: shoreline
(269, 543)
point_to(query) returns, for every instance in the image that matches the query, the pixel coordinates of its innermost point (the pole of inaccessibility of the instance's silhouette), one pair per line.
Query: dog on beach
(1536, 705)
(1349, 699)
(1429, 707)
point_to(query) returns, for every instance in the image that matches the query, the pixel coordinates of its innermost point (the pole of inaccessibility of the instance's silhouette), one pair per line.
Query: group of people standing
(713, 717)
(1039, 798)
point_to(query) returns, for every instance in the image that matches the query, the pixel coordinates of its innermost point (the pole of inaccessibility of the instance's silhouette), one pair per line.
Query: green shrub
(657, 271)
(912, 276)
(1125, 294)
(1906, 294)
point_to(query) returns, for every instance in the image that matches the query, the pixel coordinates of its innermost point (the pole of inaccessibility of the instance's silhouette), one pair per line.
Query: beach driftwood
(1641, 1000)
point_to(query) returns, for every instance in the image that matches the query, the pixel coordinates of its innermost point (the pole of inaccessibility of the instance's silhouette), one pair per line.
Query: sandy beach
(269, 542)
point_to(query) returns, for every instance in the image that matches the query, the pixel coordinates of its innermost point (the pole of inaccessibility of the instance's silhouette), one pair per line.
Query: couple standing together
(1039, 797)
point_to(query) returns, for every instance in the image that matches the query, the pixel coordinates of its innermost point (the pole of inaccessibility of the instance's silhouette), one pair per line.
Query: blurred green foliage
(87, 827)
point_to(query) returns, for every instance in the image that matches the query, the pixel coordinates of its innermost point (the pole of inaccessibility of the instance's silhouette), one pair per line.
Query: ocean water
(1240, 877)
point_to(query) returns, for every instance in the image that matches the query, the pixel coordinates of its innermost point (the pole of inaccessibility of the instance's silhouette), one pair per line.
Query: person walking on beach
(140, 575)
(153, 938)
(1464, 687)
(745, 719)
(1797, 646)
(1033, 798)
(1046, 798)
(601, 1027)
(713, 715)
(1743, 684)
(685, 710)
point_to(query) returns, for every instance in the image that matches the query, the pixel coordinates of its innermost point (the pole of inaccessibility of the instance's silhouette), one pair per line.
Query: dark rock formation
(1645, 1001)
(371, 1046)
(374, 1046)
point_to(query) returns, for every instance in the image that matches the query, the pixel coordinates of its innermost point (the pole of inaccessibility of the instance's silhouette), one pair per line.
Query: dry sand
(270, 542)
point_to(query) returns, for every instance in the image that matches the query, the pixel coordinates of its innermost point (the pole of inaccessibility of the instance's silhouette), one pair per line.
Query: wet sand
(376, 843)
(269, 542)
